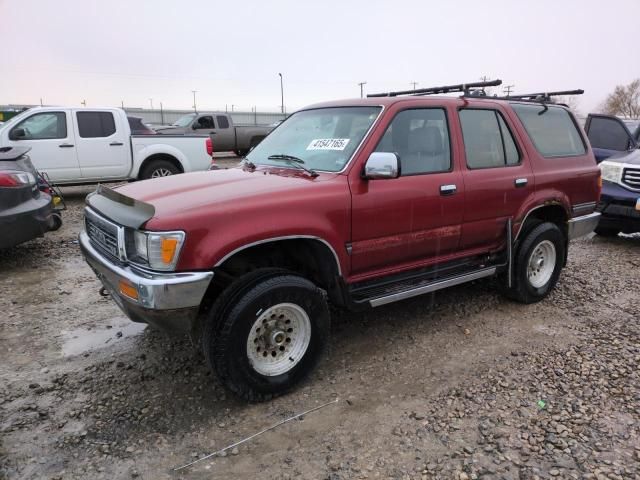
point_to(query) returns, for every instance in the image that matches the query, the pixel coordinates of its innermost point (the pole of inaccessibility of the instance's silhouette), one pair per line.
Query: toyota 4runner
(355, 204)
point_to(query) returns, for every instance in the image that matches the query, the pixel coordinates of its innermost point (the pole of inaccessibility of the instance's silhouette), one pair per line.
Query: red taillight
(209, 145)
(15, 179)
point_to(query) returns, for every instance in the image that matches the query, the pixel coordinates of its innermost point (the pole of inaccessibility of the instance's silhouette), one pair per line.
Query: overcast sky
(105, 52)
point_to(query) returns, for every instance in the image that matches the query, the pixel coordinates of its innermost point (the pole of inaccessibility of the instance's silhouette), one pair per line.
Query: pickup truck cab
(616, 144)
(89, 145)
(225, 136)
(355, 203)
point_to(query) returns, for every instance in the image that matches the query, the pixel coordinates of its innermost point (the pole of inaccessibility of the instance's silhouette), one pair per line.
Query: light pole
(361, 85)
(151, 103)
(281, 94)
(195, 109)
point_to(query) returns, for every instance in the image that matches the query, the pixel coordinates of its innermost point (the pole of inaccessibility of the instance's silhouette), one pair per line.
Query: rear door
(225, 136)
(50, 136)
(608, 135)
(497, 176)
(103, 144)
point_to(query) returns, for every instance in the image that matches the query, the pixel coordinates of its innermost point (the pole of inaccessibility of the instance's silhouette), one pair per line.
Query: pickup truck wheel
(158, 168)
(537, 263)
(270, 338)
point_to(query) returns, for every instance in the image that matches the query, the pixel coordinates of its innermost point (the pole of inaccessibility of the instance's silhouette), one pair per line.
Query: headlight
(159, 250)
(611, 172)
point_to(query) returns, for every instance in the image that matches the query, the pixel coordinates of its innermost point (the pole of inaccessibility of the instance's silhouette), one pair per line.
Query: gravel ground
(460, 384)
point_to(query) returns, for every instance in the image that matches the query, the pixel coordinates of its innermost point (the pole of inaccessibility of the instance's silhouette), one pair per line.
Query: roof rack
(465, 88)
(543, 96)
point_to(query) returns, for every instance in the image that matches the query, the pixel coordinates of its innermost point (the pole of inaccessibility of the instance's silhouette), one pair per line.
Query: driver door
(50, 136)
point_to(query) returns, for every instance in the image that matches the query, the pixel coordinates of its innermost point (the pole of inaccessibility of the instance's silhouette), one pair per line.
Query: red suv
(355, 203)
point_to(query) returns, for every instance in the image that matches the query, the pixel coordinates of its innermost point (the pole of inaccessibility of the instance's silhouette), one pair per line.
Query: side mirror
(382, 165)
(17, 134)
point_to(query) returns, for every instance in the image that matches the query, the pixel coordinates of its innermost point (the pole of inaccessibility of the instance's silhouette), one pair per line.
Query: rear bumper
(618, 208)
(26, 221)
(583, 225)
(169, 301)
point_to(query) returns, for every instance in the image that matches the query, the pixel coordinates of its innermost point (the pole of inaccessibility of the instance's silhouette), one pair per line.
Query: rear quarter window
(551, 129)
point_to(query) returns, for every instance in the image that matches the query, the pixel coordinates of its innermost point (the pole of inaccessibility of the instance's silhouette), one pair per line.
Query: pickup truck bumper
(583, 225)
(619, 208)
(169, 301)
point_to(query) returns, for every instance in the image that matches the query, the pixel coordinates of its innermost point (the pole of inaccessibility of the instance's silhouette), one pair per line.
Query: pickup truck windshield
(324, 139)
(185, 120)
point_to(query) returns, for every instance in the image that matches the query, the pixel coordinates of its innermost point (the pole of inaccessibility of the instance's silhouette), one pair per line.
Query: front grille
(102, 233)
(631, 178)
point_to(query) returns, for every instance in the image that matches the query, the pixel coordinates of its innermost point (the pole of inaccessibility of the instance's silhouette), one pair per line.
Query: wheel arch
(160, 156)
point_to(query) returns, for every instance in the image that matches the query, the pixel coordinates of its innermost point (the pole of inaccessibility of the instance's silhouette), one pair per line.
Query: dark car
(25, 211)
(616, 144)
(139, 128)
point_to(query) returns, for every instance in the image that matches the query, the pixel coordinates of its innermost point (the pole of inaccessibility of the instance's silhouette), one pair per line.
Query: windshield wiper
(295, 161)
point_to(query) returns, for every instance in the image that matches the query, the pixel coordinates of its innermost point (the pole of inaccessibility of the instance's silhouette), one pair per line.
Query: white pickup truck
(88, 145)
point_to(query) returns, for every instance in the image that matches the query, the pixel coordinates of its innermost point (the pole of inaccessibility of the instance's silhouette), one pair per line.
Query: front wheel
(270, 337)
(537, 263)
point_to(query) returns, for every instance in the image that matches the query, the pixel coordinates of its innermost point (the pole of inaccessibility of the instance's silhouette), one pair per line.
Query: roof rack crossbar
(544, 96)
(461, 87)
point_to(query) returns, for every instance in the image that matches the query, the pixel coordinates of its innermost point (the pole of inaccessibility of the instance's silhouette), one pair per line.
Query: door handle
(448, 189)
(521, 182)
(66, 145)
(116, 144)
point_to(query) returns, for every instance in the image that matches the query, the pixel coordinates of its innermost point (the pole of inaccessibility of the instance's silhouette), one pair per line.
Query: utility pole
(281, 94)
(232, 105)
(83, 103)
(151, 103)
(122, 104)
(509, 89)
(414, 84)
(40, 101)
(161, 115)
(195, 109)
(361, 91)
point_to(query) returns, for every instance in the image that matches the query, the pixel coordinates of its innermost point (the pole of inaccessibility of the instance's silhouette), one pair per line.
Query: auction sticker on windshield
(328, 144)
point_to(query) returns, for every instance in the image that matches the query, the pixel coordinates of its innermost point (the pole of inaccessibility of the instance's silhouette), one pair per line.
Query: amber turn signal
(128, 290)
(168, 249)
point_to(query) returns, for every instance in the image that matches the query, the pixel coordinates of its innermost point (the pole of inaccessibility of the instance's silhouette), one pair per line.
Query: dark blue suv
(616, 145)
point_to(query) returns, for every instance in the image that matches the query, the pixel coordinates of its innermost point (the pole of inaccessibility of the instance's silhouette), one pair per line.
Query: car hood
(211, 191)
(632, 157)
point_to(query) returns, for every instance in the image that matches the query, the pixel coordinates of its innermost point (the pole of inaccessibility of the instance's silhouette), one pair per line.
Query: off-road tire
(522, 290)
(608, 232)
(157, 165)
(230, 321)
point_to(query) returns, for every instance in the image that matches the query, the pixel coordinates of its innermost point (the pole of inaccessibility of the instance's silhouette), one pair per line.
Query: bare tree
(624, 101)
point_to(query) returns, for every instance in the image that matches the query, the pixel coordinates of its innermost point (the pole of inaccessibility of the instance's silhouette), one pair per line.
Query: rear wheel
(267, 334)
(240, 153)
(607, 231)
(537, 263)
(158, 168)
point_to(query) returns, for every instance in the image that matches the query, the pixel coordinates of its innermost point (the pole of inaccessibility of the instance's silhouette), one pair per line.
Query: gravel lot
(460, 384)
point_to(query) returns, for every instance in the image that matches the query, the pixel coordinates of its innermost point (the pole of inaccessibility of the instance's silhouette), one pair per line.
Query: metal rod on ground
(256, 434)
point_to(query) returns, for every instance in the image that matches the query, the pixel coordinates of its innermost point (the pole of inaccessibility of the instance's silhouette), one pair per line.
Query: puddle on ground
(82, 340)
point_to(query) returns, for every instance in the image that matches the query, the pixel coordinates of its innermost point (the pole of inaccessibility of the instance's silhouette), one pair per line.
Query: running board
(432, 287)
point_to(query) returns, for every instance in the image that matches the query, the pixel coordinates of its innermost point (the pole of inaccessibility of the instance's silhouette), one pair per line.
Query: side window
(205, 122)
(420, 137)
(223, 122)
(96, 124)
(608, 133)
(43, 126)
(488, 143)
(551, 130)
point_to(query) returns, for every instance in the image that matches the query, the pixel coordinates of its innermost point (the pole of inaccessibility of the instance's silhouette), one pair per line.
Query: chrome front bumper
(583, 225)
(167, 300)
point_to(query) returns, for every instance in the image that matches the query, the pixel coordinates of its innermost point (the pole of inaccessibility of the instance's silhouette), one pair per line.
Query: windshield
(184, 121)
(324, 138)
